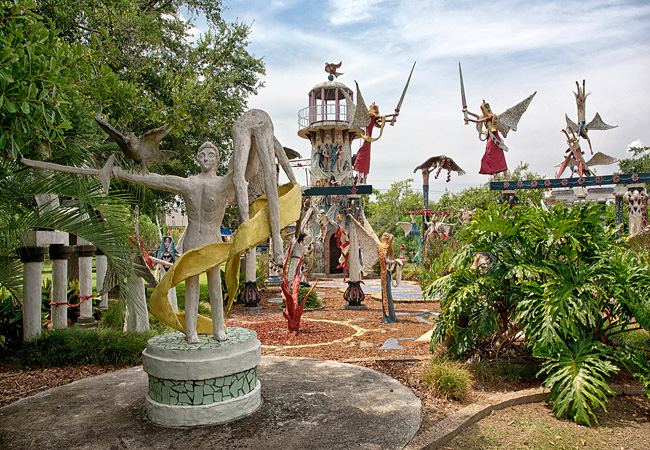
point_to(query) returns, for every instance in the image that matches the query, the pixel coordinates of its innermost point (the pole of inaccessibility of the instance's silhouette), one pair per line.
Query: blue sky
(508, 49)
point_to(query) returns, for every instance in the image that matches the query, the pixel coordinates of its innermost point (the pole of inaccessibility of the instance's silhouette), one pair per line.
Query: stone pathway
(406, 291)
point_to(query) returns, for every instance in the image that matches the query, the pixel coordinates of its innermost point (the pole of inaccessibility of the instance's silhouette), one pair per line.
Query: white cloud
(637, 143)
(346, 12)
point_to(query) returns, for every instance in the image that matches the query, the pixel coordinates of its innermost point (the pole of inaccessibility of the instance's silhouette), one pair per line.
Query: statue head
(373, 110)
(208, 157)
(486, 110)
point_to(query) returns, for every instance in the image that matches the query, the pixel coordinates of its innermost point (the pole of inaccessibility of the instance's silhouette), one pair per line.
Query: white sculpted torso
(205, 201)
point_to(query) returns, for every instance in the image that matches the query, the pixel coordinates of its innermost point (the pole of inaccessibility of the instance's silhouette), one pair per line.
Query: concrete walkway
(307, 403)
(406, 291)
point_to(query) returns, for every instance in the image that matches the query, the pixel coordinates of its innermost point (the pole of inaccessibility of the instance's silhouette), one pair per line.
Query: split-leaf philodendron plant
(560, 286)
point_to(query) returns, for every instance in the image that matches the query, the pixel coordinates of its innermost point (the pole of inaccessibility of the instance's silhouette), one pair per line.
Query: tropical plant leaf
(576, 378)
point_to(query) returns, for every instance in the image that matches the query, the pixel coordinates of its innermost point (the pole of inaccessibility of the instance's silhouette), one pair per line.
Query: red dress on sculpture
(493, 160)
(362, 163)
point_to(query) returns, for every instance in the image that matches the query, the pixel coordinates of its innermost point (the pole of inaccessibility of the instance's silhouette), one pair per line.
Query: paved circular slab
(307, 403)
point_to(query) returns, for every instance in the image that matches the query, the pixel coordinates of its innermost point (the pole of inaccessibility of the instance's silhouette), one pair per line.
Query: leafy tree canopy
(45, 85)
(133, 61)
(388, 208)
(481, 197)
(638, 163)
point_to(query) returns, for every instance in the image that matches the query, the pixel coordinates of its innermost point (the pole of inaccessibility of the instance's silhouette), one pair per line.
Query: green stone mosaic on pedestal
(202, 392)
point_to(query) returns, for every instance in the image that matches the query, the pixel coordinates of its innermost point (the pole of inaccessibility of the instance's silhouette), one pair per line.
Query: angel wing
(509, 119)
(570, 124)
(361, 119)
(406, 226)
(368, 243)
(598, 124)
(601, 159)
(572, 162)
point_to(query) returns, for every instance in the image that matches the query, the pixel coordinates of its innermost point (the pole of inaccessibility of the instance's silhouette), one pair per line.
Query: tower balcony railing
(315, 114)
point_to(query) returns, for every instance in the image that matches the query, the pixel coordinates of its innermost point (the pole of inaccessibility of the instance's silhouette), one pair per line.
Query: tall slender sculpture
(369, 119)
(582, 127)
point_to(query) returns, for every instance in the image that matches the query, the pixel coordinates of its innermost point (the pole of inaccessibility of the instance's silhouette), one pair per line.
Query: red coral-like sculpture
(293, 307)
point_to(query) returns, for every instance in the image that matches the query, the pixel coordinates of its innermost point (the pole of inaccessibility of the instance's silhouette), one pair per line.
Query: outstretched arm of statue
(169, 183)
(471, 114)
(478, 120)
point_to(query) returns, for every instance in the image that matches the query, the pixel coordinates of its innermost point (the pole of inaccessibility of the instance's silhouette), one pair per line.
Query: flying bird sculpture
(331, 69)
(582, 127)
(144, 149)
(440, 162)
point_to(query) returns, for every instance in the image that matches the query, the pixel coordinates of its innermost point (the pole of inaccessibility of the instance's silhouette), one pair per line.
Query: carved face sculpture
(207, 157)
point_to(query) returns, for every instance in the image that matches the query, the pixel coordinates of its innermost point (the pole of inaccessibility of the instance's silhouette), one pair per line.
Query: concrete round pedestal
(202, 384)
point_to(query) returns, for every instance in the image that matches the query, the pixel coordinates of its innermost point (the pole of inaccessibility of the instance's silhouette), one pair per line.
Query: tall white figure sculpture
(205, 196)
(255, 145)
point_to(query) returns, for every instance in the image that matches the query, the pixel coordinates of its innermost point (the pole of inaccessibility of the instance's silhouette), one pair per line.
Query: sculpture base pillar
(207, 383)
(354, 296)
(86, 322)
(250, 295)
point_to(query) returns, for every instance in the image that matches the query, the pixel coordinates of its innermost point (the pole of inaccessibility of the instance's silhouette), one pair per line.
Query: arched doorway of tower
(334, 255)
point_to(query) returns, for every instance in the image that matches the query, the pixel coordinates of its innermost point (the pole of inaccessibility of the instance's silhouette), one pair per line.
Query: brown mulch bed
(17, 384)
(274, 332)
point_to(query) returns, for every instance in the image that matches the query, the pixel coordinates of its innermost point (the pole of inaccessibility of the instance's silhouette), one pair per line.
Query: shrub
(113, 317)
(11, 324)
(448, 379)
(438, 253)
(496, 373)
(312, 301)
(76, 347)
(561, 284)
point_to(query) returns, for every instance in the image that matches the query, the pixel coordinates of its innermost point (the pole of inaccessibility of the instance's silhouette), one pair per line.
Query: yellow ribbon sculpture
(249, 235)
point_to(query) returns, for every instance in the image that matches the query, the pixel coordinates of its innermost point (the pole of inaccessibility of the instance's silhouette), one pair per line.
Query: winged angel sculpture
(367, 119)
(372, 251)
(494, 161)
(582, 127)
